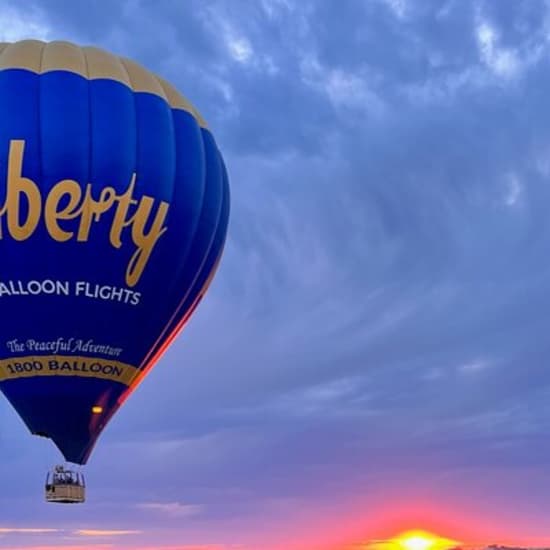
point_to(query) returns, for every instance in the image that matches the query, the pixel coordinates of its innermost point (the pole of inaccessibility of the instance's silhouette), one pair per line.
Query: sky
(372, 354)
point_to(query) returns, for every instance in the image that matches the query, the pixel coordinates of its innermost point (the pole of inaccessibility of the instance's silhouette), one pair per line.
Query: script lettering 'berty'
(68, 201)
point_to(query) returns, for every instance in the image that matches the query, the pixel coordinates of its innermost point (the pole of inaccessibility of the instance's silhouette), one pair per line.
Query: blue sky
(376, 339)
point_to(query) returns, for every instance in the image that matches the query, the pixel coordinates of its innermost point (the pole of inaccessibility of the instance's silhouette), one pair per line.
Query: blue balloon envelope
(114, 207)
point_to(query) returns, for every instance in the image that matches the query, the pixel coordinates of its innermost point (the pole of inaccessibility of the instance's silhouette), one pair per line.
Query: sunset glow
(414, 540)
(422, 540)
(417, 541)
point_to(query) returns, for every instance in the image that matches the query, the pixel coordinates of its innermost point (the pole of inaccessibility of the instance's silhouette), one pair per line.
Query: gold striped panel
(92, 63)
(67, 365)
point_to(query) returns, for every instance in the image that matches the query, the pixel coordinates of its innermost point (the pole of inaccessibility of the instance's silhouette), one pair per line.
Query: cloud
(20, 25)
(134, 547)
(502, 61)
(26, 531)
(68, 547)
(475, 366)
(513, 191)
(398, 7)
(343, 88)
(173, 509)
(106, 532)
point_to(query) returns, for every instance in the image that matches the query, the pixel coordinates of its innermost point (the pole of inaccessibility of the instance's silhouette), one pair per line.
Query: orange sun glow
(414, 540)
(421, 540)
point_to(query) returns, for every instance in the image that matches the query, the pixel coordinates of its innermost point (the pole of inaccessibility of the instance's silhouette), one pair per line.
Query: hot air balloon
(114, 207)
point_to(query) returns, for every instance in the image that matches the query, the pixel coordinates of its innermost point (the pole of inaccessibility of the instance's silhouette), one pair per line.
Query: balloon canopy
(114, 206)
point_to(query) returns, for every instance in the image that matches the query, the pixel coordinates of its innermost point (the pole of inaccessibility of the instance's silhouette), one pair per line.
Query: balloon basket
(65, 486)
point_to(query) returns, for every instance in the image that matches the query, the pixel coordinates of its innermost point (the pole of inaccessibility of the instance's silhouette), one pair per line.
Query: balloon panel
(114, 207)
